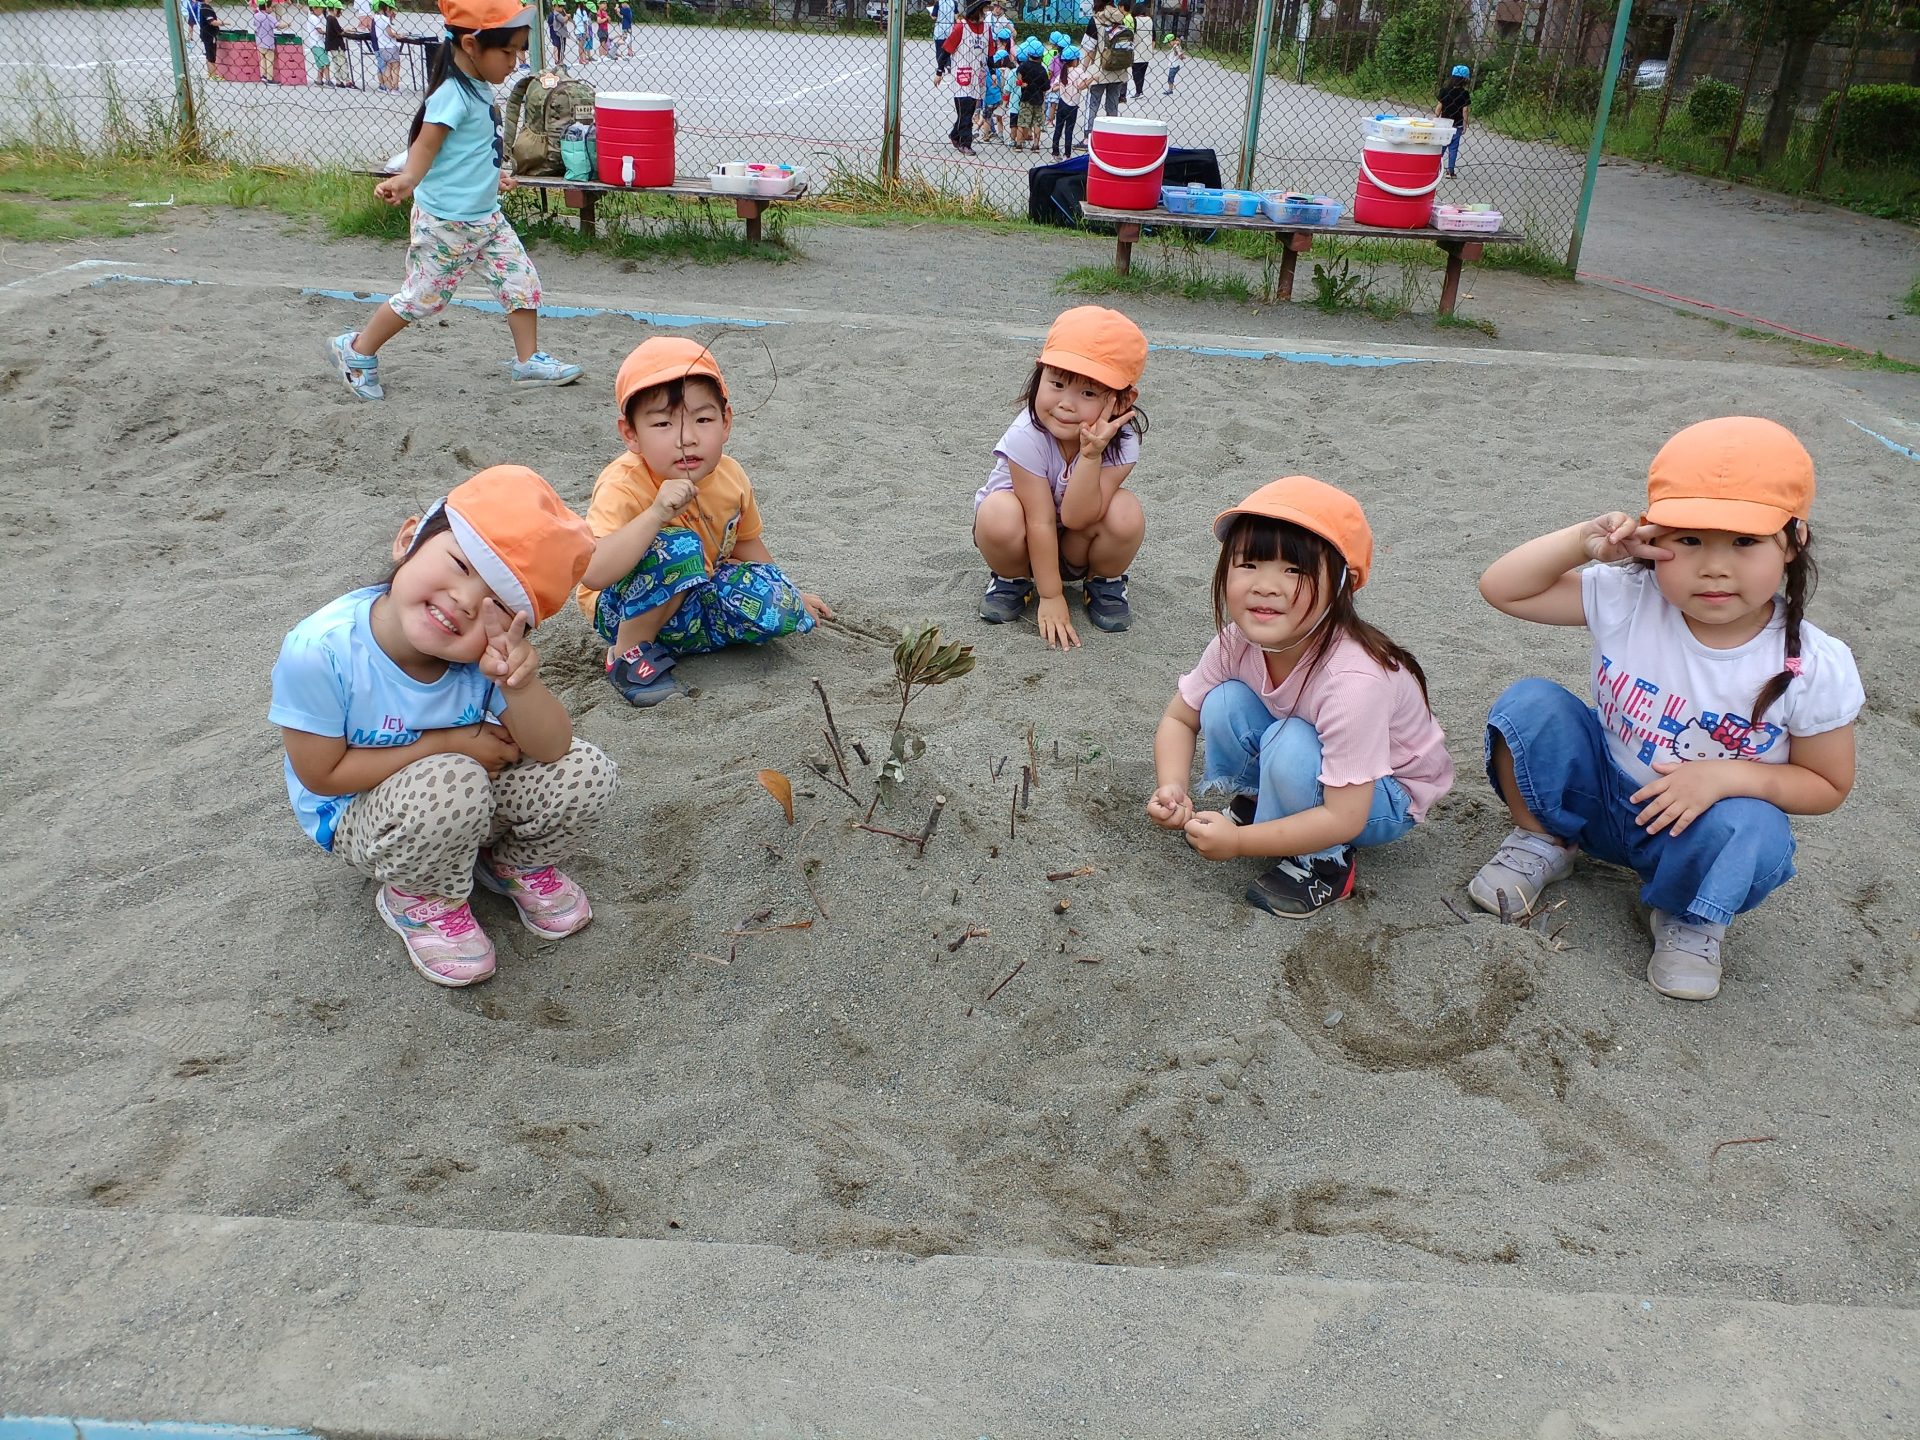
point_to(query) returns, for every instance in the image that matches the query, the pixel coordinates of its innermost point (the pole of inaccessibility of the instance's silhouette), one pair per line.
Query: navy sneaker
(642, 675)
(1005, 599)
(1107, 602)
(1296, 889)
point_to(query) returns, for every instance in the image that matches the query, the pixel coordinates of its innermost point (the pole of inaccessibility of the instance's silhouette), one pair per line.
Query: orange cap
(486, 14)
(1333, 515)
(1737, 473)
(660, 360)
(1103, 345)
(520, 537)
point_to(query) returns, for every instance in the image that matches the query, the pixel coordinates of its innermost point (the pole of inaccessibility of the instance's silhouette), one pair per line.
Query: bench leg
(586, 202)
(1458, 251)
(1293, 245)
(1128, 232)
(749, 211)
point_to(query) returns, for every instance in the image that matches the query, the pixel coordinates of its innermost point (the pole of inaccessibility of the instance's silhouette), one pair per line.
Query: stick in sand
(1006, 982)
(1033, 754)
(933, 819)
(833, 730)
(838, 759)
(1070, 874)
(1743, 1140)
(1013, 810)
(1026, 785)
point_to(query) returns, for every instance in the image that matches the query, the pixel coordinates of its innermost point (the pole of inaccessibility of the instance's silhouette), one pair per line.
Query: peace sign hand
(1098, 435)
(510, 659)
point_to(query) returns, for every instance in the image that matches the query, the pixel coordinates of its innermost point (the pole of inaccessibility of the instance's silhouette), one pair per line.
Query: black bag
(1054, 192)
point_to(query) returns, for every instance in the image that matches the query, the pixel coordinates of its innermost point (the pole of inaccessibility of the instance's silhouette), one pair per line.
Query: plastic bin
(1480, 219)
(1409, 129)
(1287, 208)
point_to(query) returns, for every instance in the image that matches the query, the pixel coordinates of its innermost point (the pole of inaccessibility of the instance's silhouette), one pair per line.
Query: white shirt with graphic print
(1662, 695)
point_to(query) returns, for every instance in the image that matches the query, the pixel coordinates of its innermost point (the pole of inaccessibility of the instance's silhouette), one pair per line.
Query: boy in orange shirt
(679, 566)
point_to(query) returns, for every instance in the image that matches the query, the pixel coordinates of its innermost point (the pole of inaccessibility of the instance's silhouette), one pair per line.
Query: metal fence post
(890, 138)
(1840, 104)
(1621, 18)
(537, 41)
(182, 86)
(1256, 87)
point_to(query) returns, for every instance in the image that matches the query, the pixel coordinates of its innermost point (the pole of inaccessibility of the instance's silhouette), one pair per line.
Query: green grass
(44, 224)
(1912, 302)
(1457, 321)
(1839, 355)
(1152, 279)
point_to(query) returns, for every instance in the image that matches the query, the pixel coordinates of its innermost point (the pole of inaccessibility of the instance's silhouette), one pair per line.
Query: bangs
(1258, 539)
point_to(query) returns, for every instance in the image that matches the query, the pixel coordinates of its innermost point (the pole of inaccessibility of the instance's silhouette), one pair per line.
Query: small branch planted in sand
(1070, 874)
(1007, 981)
(1743, 1140)
(1013, 811)
(839, 760)
(966, 935)
(821, 771)
(1033, 754)
(1026, 785)
(1458, 913)
(833, 730)
(933, 820)
(913, 840)
(861, 751)
(998, 766)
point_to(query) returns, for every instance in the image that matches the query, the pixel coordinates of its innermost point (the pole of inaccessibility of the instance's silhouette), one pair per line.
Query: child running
(1317, 725)
(1054, 510)
(1717, 709)
(453, 174)
(422, 747)
(1176, 57)
(680, 566)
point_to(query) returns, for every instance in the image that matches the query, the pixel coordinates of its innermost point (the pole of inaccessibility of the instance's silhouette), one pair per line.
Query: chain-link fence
(813, 82)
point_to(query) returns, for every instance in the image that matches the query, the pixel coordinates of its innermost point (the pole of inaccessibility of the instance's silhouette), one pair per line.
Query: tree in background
(1796, 26)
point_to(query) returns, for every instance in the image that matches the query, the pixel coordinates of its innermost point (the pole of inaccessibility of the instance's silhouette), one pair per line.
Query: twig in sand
(998, 766)
(821, 771)
(861, 751)
(833, 730)
(758, 916)
(1458, 913)
(806, 878)
(933, 820)
(964, 936)
(838, 759)
(1070, 874)
(1056, 752)
(1007, 981)
(806, 924)
(1087, 960)
(1033, 754)
(1013, 811)
(1026, 785)
(1743, 1140)
(890, 834)
(712, 959)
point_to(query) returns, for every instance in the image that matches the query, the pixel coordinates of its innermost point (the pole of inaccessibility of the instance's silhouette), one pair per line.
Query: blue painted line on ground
(1299, 357)
(139, 280)
(1893, 445)
(566, 312)
(58, 1427)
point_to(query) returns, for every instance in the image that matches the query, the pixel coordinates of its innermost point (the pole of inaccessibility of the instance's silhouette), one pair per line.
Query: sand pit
(203, 1013)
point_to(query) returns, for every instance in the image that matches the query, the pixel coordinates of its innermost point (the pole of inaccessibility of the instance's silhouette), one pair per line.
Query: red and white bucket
(629, 125)
(1397, 181)
(1126, 161)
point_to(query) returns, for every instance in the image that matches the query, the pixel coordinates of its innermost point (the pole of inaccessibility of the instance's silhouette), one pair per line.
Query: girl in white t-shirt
(1317, 725)
(1717, 710)
(422, 747)
(1054, 510)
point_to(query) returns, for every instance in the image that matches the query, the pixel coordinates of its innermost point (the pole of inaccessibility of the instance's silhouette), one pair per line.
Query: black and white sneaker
(1005, 599)
(1296, 888)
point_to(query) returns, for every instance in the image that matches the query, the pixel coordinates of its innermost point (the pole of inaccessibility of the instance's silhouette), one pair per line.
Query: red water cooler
(630, 126)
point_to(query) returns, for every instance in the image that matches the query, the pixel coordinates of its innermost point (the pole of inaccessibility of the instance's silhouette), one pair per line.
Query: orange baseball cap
(520, 537)
(1101, 344)
(1333, 515)
(486, 14)
(1738, 473)
(660, 360)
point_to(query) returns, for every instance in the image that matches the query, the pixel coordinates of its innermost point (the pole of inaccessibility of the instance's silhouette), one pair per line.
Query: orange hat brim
(1736, 517)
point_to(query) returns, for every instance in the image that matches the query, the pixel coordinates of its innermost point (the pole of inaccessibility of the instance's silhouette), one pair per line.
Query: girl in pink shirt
(1317, 725)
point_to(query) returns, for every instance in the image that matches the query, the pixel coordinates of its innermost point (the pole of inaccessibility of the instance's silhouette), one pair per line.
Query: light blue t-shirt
(463, 183)
(332, 678)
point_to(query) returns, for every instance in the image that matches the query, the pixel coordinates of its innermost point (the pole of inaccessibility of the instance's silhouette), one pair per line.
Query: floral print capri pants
(739, 604)
(423, 828)
(441, 252)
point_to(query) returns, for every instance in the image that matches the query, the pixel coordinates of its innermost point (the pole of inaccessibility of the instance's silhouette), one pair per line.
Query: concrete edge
(346, 1328)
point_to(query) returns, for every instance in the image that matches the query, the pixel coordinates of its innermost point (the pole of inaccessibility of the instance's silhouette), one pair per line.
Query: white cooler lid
(632, 100)
(1120, 125)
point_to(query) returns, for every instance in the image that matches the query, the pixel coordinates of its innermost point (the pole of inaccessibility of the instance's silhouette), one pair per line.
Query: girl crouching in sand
(422, 748)
(1717, 710)
(1317, 725)
(1054, 510)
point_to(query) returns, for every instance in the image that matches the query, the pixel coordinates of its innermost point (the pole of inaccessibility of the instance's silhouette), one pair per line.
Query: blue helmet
(1460, 72)
(1070, 53)
(1060, 41)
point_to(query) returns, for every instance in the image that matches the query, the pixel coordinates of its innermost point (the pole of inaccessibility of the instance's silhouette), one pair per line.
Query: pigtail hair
(1802, 576)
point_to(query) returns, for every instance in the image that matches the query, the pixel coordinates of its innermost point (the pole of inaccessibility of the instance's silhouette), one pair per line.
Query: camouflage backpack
(539, 110)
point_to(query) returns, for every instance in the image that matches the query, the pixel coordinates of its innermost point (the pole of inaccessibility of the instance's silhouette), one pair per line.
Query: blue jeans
(1728, 860)
(1453, 146)
(1251, 753)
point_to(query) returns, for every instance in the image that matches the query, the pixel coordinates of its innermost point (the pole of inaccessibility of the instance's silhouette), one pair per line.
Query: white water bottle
(626, 169)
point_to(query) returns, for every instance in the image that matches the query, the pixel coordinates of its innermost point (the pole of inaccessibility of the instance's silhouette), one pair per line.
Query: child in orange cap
(1054, 510)
(1717, 709)
(422, 748)
(680, 566)
(1317, 725)
(453, 174)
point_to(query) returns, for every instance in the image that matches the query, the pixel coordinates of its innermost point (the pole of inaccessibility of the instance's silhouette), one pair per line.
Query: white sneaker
(1523, 866)
(1686, 957)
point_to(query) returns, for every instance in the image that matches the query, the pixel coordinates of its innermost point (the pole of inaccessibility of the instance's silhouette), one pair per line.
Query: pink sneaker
(550, 904)
(444, 941)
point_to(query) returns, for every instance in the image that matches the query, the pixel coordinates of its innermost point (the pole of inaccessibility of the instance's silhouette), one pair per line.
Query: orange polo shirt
(723, 512)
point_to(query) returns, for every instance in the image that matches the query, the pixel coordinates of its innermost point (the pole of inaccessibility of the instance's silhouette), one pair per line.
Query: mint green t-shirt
(463, 183)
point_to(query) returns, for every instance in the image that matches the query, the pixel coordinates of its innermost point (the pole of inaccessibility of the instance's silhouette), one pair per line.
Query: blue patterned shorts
(739, 604)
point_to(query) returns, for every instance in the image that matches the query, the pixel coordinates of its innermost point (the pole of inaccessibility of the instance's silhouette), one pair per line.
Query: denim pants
(1453, 146)
(739, 604)
(1726, 862)
(1106, 95)
(1251, 753)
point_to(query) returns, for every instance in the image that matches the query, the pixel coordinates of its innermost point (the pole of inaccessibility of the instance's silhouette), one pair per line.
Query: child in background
(1142, 46)
(583, 32)
(317, 42)
(1455, 101)
(422, 747)
(336, 43)
(966, 44)
(626, 29)
(1054, 509)
(1317, 725)
(263, 37)
(557, 35)
(680, 566)
(604, 24)
(1033, 81)
(999, 88)
(1718, 710)
(1077, 73)
(1050, 57)
(386, 50)
(453, 175)
(1176, 55)
(210, 39)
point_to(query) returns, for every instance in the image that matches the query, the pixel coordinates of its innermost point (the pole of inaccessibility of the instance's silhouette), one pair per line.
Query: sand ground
(202, 1012)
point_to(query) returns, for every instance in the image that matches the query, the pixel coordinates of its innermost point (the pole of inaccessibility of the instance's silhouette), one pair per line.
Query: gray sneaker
(1523, 866)
(1107, 602)
(361, 372)
(541, 368)
(1005, 599)
(1686, 957)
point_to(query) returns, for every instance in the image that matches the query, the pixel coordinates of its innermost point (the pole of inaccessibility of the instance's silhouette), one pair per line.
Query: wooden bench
(584, 195)
(1460, 246)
